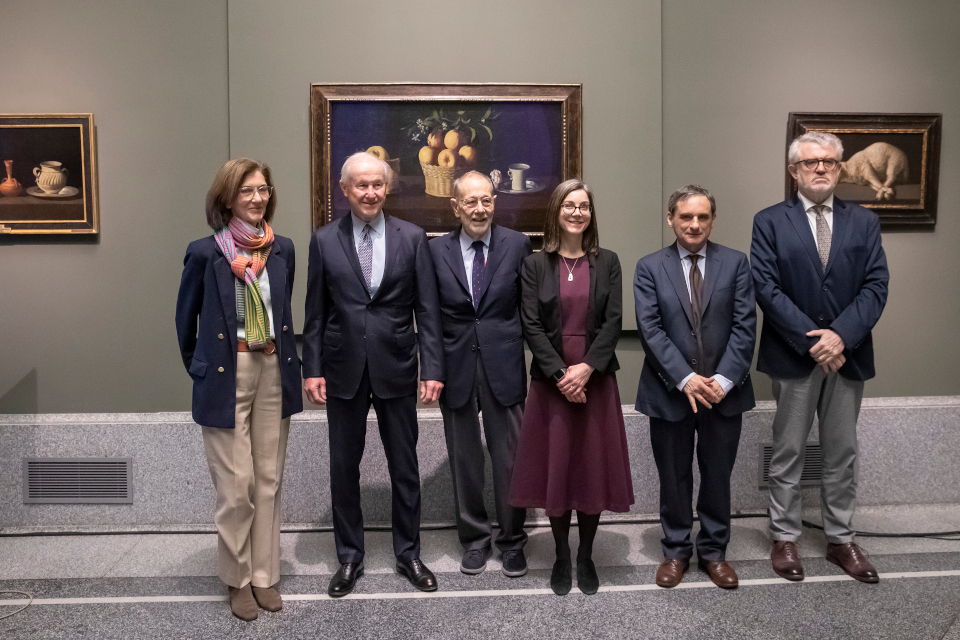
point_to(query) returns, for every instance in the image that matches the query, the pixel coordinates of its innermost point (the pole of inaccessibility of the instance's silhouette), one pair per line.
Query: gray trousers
(836, 403)
(501, 426)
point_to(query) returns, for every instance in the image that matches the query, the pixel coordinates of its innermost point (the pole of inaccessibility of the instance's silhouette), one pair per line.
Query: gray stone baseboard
(907, 456)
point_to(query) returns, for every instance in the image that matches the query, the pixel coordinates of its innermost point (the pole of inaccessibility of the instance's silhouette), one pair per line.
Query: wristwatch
(558, 376)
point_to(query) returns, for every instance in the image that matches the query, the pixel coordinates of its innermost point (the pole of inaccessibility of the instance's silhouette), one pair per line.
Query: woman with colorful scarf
(237, 341)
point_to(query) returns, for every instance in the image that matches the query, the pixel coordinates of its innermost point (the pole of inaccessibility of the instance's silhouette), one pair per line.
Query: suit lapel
(840, 231)
(494, 258)
(710, 279)
(798, 217)
(349, 250)
(277, 275)
(454, 257)
(674, 269)
(551, 287)
(228, 293)
(392, 247)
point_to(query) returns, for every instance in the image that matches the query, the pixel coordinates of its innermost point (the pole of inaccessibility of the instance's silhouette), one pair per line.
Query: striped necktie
(479, 270)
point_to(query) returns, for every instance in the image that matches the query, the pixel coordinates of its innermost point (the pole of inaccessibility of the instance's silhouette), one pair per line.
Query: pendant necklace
(569, 270)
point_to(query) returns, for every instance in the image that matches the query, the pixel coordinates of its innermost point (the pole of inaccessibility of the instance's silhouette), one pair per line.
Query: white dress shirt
(379, 226)
(686, 263)
(468, 252)
(808, 206)
(264, 281)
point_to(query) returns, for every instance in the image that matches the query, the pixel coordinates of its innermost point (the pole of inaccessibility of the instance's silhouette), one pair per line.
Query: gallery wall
(732, 71)
(87, 326)
(179, 87)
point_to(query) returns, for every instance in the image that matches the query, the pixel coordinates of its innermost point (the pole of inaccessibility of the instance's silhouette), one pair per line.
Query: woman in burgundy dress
(573, 449)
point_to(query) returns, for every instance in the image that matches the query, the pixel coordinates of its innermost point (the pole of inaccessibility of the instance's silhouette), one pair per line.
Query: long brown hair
(226, 185)
(551, 225)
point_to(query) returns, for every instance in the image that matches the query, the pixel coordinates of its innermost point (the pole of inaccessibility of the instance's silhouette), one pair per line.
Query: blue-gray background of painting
(527, 132)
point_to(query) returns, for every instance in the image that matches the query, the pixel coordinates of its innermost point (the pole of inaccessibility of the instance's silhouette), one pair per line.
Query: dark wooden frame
(91, 215)
(929, 125)
(323, 177)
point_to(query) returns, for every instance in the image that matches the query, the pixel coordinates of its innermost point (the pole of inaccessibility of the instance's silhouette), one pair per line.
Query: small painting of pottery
(51, 176)
(10, 187)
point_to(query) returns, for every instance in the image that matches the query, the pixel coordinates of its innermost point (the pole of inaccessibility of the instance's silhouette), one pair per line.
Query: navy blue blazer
(345, 329)
(207, 329)
(665, 324)
(493, 330)
(796, 295)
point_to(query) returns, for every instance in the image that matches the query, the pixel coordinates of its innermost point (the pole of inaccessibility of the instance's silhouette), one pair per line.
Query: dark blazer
(797, 296)
(665, 324)
(540, 312)
(207, 329)
(344, 327)
(493, 330)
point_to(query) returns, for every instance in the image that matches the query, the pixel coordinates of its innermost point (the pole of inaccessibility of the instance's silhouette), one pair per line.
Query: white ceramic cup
(518, 176)
(51, 176)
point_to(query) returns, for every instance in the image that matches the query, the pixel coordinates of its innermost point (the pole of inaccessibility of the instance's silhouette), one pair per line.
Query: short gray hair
(690, 191)
(346, 170)
(821, 138)
(471, 175)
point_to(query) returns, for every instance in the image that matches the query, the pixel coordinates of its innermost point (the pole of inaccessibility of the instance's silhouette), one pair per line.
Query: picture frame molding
(322, 180)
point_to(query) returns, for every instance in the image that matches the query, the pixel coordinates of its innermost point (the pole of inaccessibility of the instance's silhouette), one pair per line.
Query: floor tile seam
(475, 593)
(136, 540)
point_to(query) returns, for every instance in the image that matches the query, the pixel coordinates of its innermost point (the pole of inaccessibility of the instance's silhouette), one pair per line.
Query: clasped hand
(703, 390)
(573, 383)
(828, 352)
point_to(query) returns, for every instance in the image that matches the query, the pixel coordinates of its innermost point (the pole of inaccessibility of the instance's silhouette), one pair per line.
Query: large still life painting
(891, 162)
(48, 174)
(527, 138)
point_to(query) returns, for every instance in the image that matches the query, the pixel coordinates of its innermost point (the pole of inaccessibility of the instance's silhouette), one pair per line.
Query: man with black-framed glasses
(478, 279)
(821, 277)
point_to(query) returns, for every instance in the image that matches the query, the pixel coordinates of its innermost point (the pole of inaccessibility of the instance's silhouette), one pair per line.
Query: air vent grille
(78, 480)
(812, 465)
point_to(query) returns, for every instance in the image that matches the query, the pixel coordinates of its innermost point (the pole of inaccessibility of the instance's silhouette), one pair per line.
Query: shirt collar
(378, 224)
(684, 253)
(252, 229)
(808, 203)
(466, 241)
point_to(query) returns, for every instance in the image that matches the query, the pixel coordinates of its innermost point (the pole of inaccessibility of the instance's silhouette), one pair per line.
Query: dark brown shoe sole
(792, 577)
(852, 575)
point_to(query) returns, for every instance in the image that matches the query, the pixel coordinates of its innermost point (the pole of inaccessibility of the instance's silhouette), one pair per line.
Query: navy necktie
(479, 268)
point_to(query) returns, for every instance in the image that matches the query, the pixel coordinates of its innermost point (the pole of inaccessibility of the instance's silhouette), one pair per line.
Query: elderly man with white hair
(369, 276)
(820, 276)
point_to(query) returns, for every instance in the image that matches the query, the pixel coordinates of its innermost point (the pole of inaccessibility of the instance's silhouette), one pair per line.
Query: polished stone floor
(164, 586)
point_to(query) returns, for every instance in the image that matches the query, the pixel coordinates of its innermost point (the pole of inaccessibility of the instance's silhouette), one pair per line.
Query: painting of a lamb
(881, 166)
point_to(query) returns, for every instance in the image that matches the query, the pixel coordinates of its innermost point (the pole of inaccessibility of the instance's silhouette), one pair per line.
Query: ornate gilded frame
(921, 131)
(29, 139)
(324, 170)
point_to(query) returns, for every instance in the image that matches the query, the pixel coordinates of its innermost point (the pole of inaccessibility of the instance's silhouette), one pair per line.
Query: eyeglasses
(828, 163)
(264, 190)
(569, 207)
(471, 203)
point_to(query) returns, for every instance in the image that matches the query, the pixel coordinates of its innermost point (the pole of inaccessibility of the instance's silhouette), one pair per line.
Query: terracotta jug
(10, 187)
(51, 176)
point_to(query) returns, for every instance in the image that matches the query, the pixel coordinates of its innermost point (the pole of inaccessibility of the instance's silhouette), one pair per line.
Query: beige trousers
(246, 464)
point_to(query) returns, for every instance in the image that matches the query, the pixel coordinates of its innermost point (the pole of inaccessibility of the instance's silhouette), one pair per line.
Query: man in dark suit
(697, 320)
(368, 275)
(478, 277)
(821, 279)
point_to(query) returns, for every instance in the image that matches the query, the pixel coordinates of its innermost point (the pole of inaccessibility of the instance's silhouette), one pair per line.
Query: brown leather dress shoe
(721, 573)
(671, 572)
(268, 598)
(242, 603)
(786, 560)
(852, 559)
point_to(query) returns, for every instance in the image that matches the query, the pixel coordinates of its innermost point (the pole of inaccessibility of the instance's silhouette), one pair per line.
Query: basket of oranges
(447, 156)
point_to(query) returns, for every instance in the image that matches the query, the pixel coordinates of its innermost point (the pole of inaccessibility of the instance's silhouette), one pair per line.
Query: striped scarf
(256, 321)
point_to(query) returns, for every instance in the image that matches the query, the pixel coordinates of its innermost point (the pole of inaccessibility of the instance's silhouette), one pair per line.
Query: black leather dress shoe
(418, 574)
(345, 579)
